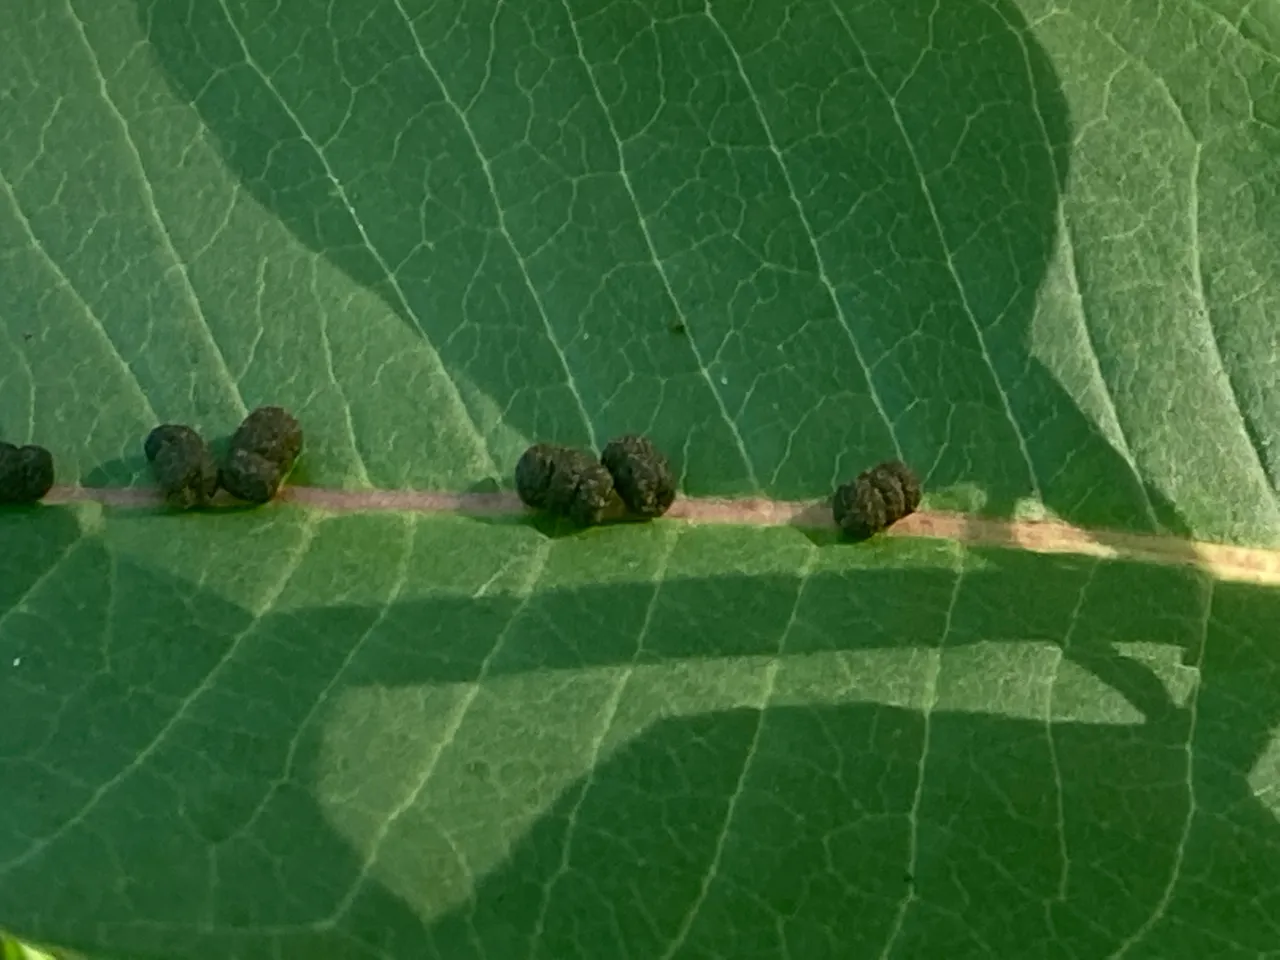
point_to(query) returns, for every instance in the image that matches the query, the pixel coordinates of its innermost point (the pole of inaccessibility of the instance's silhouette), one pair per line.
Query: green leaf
(1028, 248)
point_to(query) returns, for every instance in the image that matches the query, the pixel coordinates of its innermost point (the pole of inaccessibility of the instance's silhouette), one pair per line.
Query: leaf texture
(1026, 247)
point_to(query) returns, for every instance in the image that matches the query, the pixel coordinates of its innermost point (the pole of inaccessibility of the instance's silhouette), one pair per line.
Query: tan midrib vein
(1225, 562)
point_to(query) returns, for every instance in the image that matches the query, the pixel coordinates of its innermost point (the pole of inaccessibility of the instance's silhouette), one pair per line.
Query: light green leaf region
(1028, 247)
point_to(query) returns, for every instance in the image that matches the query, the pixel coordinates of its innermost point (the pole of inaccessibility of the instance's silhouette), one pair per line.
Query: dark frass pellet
(183, 465)
(261, 454)
(580, 488)
(270, 432)
(876, 499)
(533, 473)
(641, 474)
(26, 473)
(250, 476)
(564, 482)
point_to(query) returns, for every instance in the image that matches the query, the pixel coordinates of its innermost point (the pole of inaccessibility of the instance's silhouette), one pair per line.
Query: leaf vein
(917, 799)
(927, 191)
(95, 321)
(536, 568)
(625, 176)
(148, 195)
(307, 533)
(824, 275)
(341, 193)
(553, 339)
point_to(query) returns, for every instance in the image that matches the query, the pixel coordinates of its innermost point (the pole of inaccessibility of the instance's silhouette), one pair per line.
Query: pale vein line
(1236, 28)
(502, 223)
(362, 475)
(1126, 451)
(1193, 218)
(307, 533)
(643, 221)
(1073, 275)
(1064, 871)
(713, 868)
(188, 291)
(930, 703)
(1197, 267)
(1188, 821)
(96, 324)
(1244, 564)
(341, 193)
(610, 712)
(927, 191)
(401, 578)
(823, 275)
(17, 605)
(529, 590)
(766, 695)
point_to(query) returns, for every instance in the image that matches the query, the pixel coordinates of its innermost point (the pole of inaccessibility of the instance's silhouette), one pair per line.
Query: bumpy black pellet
(580, 488)
(251, 477)
(270, 432)
(858, 509)
(909, 483)
(533, 473)
(876, 499)
(26, 473)
(161, 435)
(564, 482)
(183, 465)
(886, 484)
(261, 453)
(641, 474)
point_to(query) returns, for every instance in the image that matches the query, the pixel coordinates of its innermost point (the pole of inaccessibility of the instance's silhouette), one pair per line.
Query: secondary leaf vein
(219, 362)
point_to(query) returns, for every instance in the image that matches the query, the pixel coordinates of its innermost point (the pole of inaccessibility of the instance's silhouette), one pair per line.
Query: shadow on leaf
(466, 162)
(192, 779)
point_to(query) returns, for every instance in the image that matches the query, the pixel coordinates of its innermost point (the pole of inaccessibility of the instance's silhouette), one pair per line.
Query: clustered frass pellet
(641, 474)
(561, 480)
(564, 482)
(260, 455)
(26, 473)
(183, 465)
(876, 499)
(570, 483)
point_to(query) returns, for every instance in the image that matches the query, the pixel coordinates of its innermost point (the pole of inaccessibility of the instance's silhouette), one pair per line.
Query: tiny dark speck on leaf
(678, 327)
(183, 465)
(876, 499)
(262, 452)
(641, 474)
(26, 473)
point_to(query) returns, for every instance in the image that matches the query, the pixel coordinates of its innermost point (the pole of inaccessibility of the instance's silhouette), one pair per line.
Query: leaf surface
(1026, 247)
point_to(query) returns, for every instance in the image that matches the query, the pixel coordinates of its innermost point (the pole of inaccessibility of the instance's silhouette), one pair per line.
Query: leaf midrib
(1222, 561)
